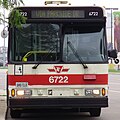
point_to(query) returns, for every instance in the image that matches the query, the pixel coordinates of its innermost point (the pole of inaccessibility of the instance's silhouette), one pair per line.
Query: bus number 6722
(58, 79)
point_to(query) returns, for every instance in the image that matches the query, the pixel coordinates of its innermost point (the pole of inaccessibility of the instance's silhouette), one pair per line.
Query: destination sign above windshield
(57, 14)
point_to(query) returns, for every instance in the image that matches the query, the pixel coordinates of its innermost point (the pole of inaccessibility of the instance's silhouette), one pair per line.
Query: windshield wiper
(45, 56)
(76, 54)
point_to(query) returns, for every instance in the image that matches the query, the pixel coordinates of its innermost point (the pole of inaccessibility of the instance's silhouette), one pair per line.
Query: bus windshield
(88, 42)
(36, 42)
(52, 42)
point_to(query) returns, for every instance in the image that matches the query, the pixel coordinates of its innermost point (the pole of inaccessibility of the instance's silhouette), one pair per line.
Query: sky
(105, 3)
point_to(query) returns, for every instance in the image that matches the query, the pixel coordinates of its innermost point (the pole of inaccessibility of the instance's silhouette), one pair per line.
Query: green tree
(16, 19)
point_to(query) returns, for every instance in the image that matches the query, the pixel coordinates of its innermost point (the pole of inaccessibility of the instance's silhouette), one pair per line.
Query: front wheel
(95, 112)
(15, 113)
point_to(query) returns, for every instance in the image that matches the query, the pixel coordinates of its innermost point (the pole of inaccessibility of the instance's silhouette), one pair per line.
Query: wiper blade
(76, 54)
(45, 56)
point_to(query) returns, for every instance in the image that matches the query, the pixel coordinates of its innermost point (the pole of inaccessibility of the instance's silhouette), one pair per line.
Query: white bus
(58, 59)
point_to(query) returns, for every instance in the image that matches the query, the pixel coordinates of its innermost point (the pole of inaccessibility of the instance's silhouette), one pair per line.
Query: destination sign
(57, 14)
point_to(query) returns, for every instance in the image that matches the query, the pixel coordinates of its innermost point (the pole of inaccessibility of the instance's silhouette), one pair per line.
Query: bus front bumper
(57, 102)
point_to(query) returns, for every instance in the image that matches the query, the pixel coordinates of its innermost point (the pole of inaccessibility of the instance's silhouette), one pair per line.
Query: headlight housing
(22, 92)
(92, 92)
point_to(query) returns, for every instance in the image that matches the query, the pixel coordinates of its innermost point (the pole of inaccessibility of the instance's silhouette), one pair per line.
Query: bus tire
(15, 113)
(95, 112)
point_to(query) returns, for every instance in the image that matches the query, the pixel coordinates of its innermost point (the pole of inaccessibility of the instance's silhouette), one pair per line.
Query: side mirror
(112, 54)
(116, 61)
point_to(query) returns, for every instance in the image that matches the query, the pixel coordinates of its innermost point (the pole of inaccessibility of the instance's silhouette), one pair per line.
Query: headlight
(20, 92)
(96, 92)
(88, 92)
(28, 92)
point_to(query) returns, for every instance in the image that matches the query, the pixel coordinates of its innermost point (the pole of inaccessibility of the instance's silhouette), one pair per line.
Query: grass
(113, 70)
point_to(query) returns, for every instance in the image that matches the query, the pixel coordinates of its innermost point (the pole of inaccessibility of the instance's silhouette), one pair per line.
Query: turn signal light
(103, 91)
(12, 92)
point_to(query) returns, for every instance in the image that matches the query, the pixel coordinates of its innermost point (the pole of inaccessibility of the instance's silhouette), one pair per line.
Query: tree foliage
(16, 19)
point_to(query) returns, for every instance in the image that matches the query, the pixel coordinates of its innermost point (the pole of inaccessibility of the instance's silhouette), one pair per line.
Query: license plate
(21, 84)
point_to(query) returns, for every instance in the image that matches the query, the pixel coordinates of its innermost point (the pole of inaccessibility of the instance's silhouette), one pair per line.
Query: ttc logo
(58, 69)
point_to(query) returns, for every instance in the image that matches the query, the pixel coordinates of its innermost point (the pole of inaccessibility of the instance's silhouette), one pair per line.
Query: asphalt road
(110, 113)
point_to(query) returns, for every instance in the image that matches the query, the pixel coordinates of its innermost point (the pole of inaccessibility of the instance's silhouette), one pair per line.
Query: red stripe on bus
(73, 79)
